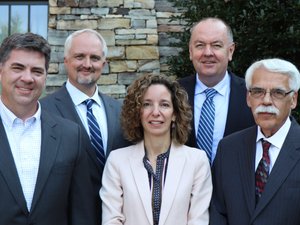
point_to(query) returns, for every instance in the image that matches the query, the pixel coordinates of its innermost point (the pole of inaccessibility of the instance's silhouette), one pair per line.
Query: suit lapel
(111, 118)
(288, 157)
(65, 106)
(67, 110)
(9, 171)
(174, 173)
(141, 178)
(246, 162)
(49, 147)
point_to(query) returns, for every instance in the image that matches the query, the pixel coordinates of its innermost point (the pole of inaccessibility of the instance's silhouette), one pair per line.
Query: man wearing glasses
(256, 174)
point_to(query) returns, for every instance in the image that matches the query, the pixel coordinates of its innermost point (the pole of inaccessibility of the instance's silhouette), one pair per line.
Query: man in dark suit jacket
(85, 53)
(240, 195)
(43, 167)
(211, 47)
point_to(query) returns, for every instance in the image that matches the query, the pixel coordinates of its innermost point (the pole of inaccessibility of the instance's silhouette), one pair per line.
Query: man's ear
(231, 51)
(294, 100)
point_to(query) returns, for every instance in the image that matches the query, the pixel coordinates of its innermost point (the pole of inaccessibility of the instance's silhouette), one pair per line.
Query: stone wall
(136, 32)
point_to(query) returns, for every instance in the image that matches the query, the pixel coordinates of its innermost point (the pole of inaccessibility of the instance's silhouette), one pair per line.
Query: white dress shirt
(221, 101)
(276, 141)
(78, 98)
(24, 138)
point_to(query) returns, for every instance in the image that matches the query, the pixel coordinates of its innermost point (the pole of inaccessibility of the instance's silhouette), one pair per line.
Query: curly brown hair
(131, 109)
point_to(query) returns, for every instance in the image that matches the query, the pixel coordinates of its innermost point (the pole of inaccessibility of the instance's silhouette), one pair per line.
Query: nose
(27, 76)
(208, 50)
(155, 110)
(267, 99)
(87, 62)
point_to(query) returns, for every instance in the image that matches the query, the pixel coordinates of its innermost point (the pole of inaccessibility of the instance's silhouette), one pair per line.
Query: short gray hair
(275, 65)
(69, 40)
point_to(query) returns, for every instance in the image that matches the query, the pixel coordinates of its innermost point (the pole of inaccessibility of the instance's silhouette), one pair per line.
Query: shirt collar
(278, 138)
(9, 118)
(78, 97)
(222, 87)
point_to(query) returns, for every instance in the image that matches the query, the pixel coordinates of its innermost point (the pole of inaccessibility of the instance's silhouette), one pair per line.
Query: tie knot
(210, 93)
(266, 145)
(89, 103)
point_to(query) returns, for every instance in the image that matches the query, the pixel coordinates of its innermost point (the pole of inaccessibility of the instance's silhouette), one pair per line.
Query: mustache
(267, 109)
(89, 69)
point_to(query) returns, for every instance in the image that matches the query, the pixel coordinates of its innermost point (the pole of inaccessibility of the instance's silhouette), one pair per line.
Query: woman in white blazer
(159, 180)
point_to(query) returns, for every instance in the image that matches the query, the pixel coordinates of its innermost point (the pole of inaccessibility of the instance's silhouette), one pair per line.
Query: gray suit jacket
(233, 201)
(60, 103)
(62, 187)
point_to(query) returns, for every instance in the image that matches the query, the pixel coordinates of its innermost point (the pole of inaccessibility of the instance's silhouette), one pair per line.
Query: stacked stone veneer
(136, 32)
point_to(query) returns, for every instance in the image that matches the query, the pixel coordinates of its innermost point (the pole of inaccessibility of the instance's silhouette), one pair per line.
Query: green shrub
(261, 29)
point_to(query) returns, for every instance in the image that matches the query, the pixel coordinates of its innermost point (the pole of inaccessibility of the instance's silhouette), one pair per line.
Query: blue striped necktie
(206, 123)
(95, 133)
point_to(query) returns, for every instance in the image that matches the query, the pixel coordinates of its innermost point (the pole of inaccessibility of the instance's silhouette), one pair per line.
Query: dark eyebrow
(40, 69)
(17, 64)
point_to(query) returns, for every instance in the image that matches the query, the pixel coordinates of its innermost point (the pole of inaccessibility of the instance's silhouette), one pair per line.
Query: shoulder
(107, 98)
(122, 153)
(110, 102)
(60, 93)
(294, 129)
(53, 120)
(187, 80)
(239, 138)
(196, 161)
(236, 79)
(192, 154)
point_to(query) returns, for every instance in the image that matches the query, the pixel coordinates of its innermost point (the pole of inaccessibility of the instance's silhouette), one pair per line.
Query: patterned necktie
(206, 123)
(262, 171)
(95, 133)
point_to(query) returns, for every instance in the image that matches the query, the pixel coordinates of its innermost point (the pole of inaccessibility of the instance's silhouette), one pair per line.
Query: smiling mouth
(155, 122)
(208, 62)
(22, 89)
(86, 71)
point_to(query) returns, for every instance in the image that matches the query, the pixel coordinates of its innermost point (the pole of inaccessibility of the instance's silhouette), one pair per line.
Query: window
(23, 16)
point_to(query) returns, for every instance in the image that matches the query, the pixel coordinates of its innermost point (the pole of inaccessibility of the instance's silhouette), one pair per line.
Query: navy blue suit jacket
(233, 201)
(239, 114)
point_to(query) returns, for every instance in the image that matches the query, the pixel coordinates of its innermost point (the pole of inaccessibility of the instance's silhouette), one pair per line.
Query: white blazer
(126, 192)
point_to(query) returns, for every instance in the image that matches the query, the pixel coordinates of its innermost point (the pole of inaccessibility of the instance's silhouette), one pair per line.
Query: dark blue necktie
(206, 123)
(95, 133)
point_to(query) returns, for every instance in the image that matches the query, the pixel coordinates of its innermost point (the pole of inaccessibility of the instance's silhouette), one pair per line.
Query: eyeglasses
(274, 93)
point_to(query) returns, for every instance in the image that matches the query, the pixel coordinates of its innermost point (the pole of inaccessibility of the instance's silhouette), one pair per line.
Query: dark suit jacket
(61, 195)
(60, 103)
(233, 201)
(239, 114)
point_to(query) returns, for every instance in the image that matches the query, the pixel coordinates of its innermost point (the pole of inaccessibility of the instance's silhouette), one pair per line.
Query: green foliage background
(261, 29)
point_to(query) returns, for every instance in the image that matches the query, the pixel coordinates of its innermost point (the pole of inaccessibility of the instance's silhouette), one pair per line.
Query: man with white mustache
(256, 175)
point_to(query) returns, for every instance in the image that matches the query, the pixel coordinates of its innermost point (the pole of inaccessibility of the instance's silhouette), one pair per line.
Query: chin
(85, 80)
